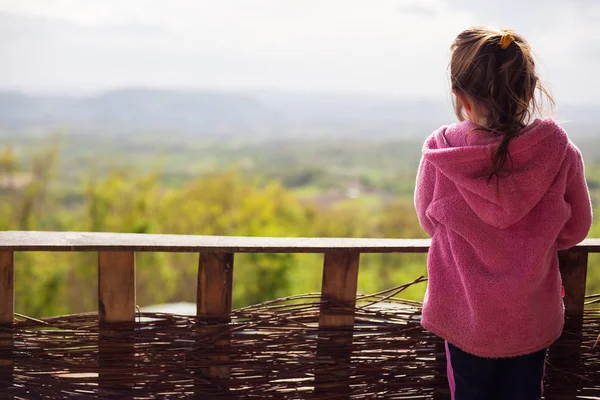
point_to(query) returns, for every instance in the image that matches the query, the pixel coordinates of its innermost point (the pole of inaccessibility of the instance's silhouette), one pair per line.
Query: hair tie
(506, 40)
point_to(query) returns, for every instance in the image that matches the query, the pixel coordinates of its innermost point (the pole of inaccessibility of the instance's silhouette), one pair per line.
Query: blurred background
(236, 117)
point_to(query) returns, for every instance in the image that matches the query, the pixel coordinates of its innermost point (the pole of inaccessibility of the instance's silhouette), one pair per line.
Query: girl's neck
(480, 121)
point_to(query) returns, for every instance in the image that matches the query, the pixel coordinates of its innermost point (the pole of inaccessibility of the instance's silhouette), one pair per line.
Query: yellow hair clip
(506, 40)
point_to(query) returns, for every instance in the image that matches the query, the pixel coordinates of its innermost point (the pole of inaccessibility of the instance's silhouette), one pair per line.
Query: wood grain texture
(566, 351)
(7, 309)
(215, 280)
(336, 321)
(116, 286)
(7, 294)
(102, 241)
(215, 284)
(340, 280)
(116, 303)
(573, 268)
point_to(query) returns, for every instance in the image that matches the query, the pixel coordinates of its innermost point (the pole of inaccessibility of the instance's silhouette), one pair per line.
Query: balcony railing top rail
(102, 241)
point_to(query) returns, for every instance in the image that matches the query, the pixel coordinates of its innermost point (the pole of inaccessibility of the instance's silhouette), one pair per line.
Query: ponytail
(500, 156)
(495, 69)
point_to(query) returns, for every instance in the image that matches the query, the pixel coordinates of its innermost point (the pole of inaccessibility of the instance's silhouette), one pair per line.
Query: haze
(390, 47)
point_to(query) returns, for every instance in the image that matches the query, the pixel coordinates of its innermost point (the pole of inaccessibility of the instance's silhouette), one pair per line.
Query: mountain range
(235, 114)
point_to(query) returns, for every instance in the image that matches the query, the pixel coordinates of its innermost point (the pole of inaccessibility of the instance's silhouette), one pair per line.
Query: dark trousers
(477, 378)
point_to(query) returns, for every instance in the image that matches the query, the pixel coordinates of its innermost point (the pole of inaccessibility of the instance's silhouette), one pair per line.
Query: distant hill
(256, 114)
(138, 109)
(221, 113)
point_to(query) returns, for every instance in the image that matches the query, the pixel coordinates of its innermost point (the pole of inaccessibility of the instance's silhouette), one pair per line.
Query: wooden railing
(116, 278)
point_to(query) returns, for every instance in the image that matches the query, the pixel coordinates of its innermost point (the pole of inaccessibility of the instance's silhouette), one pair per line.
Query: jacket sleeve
(424, 191)
(577, 196)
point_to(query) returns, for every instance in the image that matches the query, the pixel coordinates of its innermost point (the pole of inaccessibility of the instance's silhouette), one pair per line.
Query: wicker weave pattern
(272, 355)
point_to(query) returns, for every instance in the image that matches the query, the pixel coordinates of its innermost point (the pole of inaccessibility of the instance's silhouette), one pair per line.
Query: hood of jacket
(463, 154)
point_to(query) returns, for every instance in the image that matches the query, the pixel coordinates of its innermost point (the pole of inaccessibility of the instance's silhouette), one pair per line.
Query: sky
(388, 47)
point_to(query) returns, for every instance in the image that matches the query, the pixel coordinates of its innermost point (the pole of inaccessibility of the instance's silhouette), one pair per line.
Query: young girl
(499, 193)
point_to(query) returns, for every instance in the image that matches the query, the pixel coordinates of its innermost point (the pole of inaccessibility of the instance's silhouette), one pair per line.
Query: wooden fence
(117, 301)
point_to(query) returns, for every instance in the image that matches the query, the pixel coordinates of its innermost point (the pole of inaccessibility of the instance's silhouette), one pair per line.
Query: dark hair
(499, 76)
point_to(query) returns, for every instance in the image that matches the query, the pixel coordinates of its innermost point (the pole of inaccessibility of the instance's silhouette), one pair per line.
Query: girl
(499, 193)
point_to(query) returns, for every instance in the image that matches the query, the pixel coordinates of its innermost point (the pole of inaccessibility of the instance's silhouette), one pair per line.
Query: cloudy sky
(397, 47)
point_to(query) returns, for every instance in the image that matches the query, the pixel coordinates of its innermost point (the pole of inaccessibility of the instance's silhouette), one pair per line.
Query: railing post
(336, 324)
(565, 353)
(116, 313)
(213, 307)
(7, 311)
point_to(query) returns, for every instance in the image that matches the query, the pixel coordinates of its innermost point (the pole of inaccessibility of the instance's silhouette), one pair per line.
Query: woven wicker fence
(271, 354)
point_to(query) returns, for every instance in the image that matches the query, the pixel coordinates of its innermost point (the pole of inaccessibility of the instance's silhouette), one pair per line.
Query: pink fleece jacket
(494, 285)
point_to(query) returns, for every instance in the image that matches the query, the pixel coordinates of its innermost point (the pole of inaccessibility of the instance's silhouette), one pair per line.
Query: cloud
(304, 45)
(387, 46)
(422, 8)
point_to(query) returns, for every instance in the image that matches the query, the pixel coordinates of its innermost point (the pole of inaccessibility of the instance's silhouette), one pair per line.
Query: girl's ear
(465, 101)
